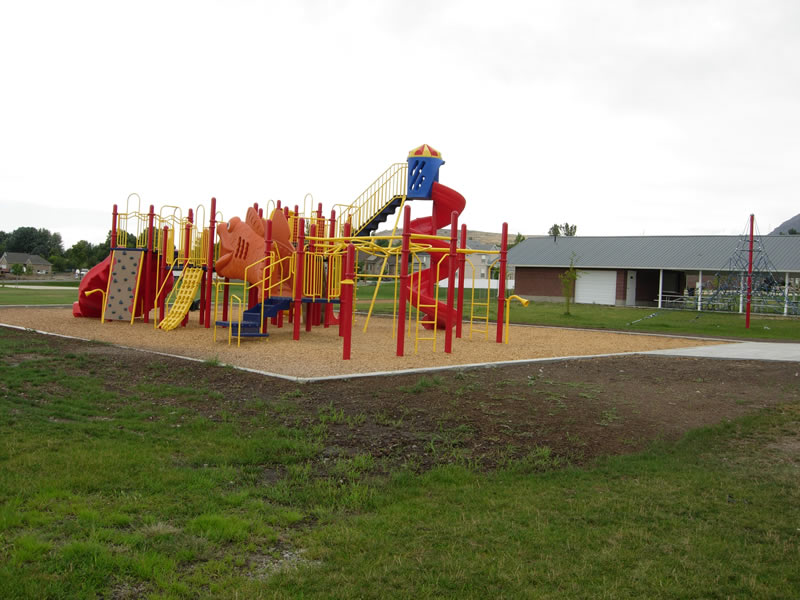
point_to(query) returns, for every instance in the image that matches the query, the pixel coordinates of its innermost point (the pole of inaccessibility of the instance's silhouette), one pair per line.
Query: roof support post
(699, 291)
(749, 275)
(660, 285)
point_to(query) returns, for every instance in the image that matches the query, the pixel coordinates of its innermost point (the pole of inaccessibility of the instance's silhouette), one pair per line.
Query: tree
(793, 231)
(517, 240)
(60, 263)
(80, 255)
(17, 269)
(568, 230)
(568, 279)
(29, 240)
(56, 245)
(23, 240)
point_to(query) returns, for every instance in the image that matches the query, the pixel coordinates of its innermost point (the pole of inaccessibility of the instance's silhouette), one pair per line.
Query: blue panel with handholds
(423, 170)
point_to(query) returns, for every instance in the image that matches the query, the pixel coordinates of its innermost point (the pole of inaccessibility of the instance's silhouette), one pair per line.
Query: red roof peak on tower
(425, 151)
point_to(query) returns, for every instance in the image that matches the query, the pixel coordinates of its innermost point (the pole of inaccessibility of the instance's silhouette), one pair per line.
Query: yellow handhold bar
(522, 301)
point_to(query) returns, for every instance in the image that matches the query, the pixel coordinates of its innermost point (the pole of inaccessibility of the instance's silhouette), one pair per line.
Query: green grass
(106, 492)
(59, 283)
(14, 296)
(699, 519)
(653, 320)
(45, 295)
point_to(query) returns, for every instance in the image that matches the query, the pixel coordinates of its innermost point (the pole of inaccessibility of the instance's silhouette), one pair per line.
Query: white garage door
(596, 287)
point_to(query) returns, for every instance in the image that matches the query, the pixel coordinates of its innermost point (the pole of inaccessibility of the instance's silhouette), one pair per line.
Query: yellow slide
(189, 284)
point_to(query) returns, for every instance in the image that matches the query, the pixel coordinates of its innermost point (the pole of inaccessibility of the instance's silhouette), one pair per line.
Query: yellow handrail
(102, 291)
(239, 328)
(390, 184)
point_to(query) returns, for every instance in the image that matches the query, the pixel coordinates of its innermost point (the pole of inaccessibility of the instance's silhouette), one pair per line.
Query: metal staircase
(380, 200)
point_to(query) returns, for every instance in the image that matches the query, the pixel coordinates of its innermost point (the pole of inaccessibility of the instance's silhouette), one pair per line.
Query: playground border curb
(487, 365)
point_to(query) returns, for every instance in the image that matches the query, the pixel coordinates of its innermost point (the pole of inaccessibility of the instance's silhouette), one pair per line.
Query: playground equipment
(137, 276)
(268, 269)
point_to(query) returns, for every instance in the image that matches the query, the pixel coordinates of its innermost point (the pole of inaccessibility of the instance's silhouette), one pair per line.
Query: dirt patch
(576, 409)
(318, 353)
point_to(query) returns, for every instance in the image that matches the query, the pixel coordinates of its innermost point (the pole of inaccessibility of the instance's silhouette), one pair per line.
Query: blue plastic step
(272, 306)
(245, 323)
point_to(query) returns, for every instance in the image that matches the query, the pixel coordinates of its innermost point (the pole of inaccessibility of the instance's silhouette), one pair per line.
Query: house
(33, 263)
(480, 259)
(643, 270)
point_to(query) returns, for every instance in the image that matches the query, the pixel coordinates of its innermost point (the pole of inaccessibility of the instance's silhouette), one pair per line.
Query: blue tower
(423, 170)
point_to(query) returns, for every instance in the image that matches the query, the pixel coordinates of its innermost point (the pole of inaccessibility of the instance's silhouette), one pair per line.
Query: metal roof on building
(14, 258)
(678, 252)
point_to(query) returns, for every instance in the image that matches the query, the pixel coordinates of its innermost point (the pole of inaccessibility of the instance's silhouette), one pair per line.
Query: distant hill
(793, 223)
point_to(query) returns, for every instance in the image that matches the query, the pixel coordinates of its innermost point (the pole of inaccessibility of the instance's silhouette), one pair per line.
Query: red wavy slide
(445, 201)
(97, 277)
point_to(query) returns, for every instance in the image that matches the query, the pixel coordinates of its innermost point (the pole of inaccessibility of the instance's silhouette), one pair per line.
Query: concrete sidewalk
(739, 351)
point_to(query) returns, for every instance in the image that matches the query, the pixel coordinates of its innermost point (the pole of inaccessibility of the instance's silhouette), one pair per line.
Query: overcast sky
(623, 117)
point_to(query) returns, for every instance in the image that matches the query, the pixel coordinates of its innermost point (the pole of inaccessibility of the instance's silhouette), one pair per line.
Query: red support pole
(320, 221)
(187, 236)
(347, 315)
(148, 265)
(462, 261)
(112, 242)
(226, 299)
(252, 295)
(212, 226)
(202, 312)
(332, 225)
(312, 232)
(320, 230)
(451, 281)
(749, 275)
(404, 283)
(299, 255)
(161, 300)
(347, 231)
(501, 284)
(331, 235)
